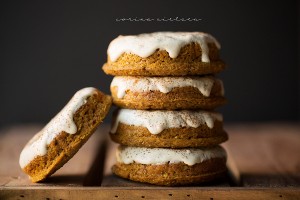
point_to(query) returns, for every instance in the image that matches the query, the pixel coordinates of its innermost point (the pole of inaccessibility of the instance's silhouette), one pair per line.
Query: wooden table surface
(263, 163)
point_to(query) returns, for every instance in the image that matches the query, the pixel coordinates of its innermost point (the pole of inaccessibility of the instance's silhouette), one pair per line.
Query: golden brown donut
(54, 145)
(188, 58)
(169, 129)
(212, 167)
(168, 93)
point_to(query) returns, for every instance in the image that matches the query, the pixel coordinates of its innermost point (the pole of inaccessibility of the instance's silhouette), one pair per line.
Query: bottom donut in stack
(169, 148)
(170, 167)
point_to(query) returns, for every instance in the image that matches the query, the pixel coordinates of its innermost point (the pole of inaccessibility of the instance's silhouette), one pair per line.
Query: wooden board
(263, 162)
(266, 155)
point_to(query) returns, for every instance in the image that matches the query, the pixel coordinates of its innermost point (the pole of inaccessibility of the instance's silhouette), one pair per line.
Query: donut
(62, 137)
(164, 54)
(167, 129)
(169, 93)
(170, 167)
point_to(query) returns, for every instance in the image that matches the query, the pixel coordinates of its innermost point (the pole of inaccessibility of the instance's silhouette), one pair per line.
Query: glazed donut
(167, 129)
(170, 167)
(63, 136)
(169, 93)
(164, 54)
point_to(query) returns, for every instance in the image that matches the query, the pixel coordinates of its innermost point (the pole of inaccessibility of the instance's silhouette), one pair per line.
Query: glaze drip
(63, 121)
(159, 156)
(146, 44)
(162, 84)
(157, 121)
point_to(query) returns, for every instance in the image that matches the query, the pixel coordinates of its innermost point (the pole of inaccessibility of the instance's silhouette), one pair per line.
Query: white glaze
(162, 84)
(159, 156)
(156, 121)
(146, 44)
(63, 121)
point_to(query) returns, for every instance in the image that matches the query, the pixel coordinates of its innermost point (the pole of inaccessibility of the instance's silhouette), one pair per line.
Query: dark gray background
(50, 49)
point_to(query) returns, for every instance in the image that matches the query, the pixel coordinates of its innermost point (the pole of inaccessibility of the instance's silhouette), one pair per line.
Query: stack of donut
(165, 86)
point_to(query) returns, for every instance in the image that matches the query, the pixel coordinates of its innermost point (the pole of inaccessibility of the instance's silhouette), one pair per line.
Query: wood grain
(265, 155)
(263, 159)
(206, 193)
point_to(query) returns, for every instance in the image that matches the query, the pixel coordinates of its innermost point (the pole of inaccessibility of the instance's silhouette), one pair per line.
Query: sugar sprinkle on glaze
(156, 121)
(162, 84)
(159, 156)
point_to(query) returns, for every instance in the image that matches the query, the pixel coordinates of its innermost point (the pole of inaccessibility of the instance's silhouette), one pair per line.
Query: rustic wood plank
(148, 193)
(233, 171)
(95, 174)
(72, 173)
(266, 155)
(260, 156)
(110, 156)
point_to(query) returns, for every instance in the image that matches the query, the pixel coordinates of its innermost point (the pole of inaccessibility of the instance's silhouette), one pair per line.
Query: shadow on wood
(95, 173)
(63, 180)
(270, 180)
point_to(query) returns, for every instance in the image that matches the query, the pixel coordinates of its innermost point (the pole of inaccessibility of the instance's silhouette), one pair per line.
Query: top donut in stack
(164, 54)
